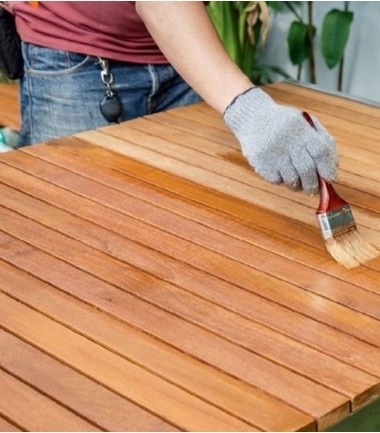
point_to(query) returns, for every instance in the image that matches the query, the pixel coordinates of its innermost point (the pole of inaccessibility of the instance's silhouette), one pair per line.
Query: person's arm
(276, 140)
(186, 36)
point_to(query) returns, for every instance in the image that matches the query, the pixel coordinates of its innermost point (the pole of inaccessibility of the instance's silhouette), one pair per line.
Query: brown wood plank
(117, 373)
(6, 426)
(183, 189)
(179, 237)
(78, 184)
(364, 301)
(250, 335)
(368, 159)
(9, 105)
(91, 211)
(182, 131)
(365, 220)
(363, 164)
(219, 133)
(233, 396)
(200, 344)
(141, 190)
(20, 401)
(178, 133)
(136, 230)
(71, 389)
(349, 109)
(356, 127)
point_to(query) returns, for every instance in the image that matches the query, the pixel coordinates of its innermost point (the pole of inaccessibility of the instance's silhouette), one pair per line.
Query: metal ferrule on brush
(336, 222)
(338, 226)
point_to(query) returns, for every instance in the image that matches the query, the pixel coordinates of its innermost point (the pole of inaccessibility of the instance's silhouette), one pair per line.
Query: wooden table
(9, 105)
(166, 287)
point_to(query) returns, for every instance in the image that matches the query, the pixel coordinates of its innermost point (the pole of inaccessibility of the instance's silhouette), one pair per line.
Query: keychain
(110, 105)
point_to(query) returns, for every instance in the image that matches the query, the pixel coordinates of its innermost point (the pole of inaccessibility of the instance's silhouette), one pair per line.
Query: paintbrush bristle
(338, 226)
(351, 249)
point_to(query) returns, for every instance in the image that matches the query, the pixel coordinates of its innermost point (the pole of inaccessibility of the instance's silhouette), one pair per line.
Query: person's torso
(109, 29)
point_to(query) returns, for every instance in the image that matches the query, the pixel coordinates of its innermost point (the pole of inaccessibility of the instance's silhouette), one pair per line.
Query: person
(89, 63)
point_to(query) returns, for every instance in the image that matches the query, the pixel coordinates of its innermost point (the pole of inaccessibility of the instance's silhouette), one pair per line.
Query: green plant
(243, 28)
(333, 37)
(335, 33)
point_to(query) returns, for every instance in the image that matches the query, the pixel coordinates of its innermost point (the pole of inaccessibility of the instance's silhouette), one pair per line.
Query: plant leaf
(297, 42)
(334, 36)
(275, 5)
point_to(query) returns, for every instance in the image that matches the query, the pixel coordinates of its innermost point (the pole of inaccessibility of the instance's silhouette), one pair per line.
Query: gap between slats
(124, 308)
(156, 127)
(19, 401)
(146, 389)
(209, 384)
(73, 390)
(230, 186)
(178, 188)
(122, 227)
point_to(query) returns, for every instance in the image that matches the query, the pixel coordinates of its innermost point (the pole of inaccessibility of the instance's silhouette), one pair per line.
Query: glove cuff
(243, 107)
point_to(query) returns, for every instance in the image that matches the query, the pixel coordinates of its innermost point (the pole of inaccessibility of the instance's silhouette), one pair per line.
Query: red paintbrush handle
(329, 199)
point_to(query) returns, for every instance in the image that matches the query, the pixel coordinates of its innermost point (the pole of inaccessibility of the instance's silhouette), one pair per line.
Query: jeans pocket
(47, 61)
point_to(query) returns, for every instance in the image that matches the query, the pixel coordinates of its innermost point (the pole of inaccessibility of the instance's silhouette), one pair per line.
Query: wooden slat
(119, 374)
(126, 227)
(81, 184)
(256, 337)
(72, 389)
(6, 426)
(129, 309)
(9, 105)
(172, 236)
(231, 395)
(364, 301)
(178, 133)
(34, 411)
(251, 194)
(171, 324)
(348, 109)
(48, 212)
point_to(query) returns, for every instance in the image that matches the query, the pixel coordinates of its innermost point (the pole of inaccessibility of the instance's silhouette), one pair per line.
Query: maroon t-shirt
(108, 29)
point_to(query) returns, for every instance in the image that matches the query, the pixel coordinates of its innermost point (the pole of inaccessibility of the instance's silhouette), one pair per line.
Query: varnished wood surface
(9, 106)
(150, 281)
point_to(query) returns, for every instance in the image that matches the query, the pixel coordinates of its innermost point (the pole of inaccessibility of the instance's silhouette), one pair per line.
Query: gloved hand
(279, 143)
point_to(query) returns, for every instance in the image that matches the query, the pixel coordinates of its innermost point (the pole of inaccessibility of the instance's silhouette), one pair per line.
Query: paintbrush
(339, 230)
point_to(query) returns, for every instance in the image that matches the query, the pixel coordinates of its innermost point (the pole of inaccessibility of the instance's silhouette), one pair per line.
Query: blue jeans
(61, 92)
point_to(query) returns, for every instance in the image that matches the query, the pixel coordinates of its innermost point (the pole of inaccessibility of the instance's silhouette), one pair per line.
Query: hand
(279, 143)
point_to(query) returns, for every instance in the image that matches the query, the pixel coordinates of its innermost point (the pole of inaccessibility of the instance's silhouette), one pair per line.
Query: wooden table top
(150, 281)
(9, 105)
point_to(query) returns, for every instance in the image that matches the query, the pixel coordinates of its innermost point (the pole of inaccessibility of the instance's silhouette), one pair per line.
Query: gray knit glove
(279, 143)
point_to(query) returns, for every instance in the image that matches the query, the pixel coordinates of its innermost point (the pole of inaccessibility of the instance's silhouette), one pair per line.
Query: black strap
(11, 62)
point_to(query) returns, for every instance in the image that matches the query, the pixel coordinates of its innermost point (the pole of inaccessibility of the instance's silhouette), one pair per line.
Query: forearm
(186, 36)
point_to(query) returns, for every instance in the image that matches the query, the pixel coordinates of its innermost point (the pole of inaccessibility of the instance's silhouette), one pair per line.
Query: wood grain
(9, 105)
(209, 384)
(34, 411)
(118, 373)
(257, 192)
(71, 389)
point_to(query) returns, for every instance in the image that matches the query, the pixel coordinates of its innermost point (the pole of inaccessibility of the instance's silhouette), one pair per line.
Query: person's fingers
(290, 176)
(307, 171)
